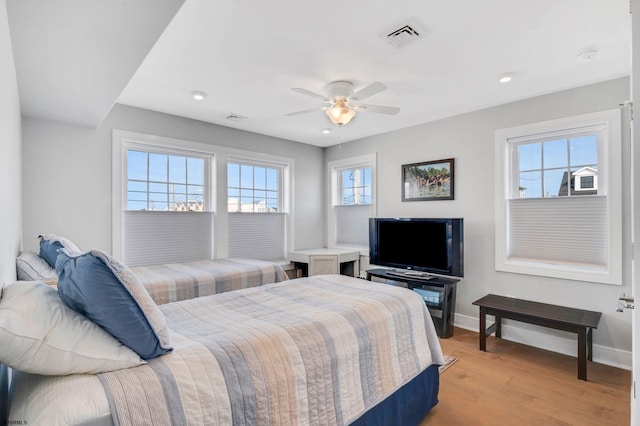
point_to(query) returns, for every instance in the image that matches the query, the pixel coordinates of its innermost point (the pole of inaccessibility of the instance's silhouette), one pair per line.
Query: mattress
(173, 282)
(319, 350)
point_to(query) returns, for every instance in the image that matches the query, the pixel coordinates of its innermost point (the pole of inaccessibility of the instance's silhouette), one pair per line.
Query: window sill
(587, 273)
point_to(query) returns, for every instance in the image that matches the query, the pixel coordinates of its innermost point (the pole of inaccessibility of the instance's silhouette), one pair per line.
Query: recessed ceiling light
(198, 96)
(505, 78)
(326, 131)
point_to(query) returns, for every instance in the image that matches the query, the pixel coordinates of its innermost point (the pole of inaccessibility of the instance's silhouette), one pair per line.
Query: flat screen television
(423, 245)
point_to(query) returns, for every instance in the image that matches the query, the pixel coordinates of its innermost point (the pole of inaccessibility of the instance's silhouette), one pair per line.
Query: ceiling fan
(344, 101)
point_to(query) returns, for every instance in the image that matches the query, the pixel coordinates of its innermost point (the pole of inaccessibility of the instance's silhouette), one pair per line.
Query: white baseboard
(536, 336)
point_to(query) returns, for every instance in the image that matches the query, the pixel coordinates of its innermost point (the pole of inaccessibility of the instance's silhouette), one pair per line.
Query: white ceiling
(248, 54)
(74, 57)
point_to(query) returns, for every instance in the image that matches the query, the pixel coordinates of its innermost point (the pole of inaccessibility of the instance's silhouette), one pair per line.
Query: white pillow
(39, 334)
(31, 267)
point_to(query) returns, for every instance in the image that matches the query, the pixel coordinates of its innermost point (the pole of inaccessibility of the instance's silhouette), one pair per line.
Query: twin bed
(173, 282)
(321, 350)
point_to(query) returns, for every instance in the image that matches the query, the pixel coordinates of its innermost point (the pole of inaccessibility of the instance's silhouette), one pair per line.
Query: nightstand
(327, 261)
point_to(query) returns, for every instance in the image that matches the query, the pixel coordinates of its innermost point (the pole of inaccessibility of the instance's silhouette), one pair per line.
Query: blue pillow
(50, 244)
(109, 294)
(49, 251)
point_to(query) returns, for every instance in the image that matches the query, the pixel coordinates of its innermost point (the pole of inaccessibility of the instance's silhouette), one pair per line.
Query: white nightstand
(327, 261)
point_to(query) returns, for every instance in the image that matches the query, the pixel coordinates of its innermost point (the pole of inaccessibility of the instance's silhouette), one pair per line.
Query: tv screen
(418, 244)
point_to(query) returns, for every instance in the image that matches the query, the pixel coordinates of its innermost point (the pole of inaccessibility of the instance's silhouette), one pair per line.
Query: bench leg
(590, 344)
(582, 354)
(483, 330)
(498, 327)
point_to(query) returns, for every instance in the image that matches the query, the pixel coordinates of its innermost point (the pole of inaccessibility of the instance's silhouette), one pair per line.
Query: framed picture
(428, 181)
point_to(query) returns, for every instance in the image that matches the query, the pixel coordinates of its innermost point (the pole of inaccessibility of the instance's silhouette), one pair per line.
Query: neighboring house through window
(558, 198)
(352, 200)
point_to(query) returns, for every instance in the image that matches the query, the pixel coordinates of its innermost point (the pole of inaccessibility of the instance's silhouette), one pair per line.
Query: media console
(443, 303)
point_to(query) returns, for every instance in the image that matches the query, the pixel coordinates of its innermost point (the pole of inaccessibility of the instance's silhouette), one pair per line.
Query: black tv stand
(417, 275)
(442, 311)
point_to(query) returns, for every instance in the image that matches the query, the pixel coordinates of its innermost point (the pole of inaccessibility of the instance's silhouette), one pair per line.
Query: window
(558, 198)
(355, 186)
(161, 202)
(352, 200)
(257, 221)
(587, 183)
(165, 192)
(253, 188)
(165, 182)
(548, 168)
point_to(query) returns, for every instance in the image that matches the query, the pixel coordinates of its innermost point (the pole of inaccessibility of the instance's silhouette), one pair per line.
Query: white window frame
(609, 183)
(122, 141)
(252, 219)
(340, 186)
(156, 149)
(217, 181)
(282, 172)
(334, 170)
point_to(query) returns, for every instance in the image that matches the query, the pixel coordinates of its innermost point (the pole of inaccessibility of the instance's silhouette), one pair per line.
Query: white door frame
(635, 206)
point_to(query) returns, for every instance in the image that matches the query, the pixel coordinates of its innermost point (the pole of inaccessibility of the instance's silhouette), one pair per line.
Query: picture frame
(428, 181)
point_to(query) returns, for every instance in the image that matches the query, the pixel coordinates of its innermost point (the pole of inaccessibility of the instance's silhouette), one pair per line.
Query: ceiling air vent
(403, 36)
(236, 117)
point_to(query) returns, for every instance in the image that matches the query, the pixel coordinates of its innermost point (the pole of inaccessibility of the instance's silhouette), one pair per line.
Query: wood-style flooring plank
(515, 384)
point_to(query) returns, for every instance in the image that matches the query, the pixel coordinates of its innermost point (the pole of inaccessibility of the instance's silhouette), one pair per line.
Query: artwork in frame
(428, 181)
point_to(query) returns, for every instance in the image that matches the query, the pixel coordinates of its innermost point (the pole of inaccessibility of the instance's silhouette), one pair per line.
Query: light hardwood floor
(513, 384)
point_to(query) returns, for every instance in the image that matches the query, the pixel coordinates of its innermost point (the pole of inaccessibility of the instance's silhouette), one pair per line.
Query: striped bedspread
(310, 351)
(172, 282)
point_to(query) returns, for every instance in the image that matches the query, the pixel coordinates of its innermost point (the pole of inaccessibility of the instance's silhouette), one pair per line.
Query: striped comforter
(311, 351)
(172, 282)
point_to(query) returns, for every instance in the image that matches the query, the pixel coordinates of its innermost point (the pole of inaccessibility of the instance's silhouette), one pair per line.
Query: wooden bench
(578, 321)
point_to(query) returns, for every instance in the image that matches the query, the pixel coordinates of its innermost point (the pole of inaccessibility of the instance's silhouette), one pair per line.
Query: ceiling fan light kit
(340, 114)
(343, 101)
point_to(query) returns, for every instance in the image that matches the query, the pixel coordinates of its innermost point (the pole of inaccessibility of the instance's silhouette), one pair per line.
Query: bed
(165, 283)
(173, 282)
(320, 350)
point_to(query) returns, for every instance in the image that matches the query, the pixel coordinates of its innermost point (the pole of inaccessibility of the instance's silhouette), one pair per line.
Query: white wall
(469, 138)
(67, 179)
(10, 156)
(10, 177)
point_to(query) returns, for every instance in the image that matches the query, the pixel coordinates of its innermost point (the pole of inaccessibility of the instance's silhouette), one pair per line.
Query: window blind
(259, 236)
(559, 230)
(152, 237)
(352, 224)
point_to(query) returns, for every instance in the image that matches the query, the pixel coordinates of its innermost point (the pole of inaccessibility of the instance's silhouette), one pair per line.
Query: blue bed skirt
(5, 384)
(408, 405)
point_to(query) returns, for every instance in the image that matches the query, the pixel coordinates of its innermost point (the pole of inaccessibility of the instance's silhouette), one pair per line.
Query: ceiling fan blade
(379, 109)
(306, 111)
(310, 93)
(370, 90)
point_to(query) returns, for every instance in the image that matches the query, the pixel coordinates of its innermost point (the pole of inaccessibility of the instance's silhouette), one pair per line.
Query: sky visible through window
(545, 169)
(253, 188)
(164, 182)
(356, 186)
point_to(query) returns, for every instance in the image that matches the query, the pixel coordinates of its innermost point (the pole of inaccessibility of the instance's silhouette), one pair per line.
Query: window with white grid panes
(558, 198)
